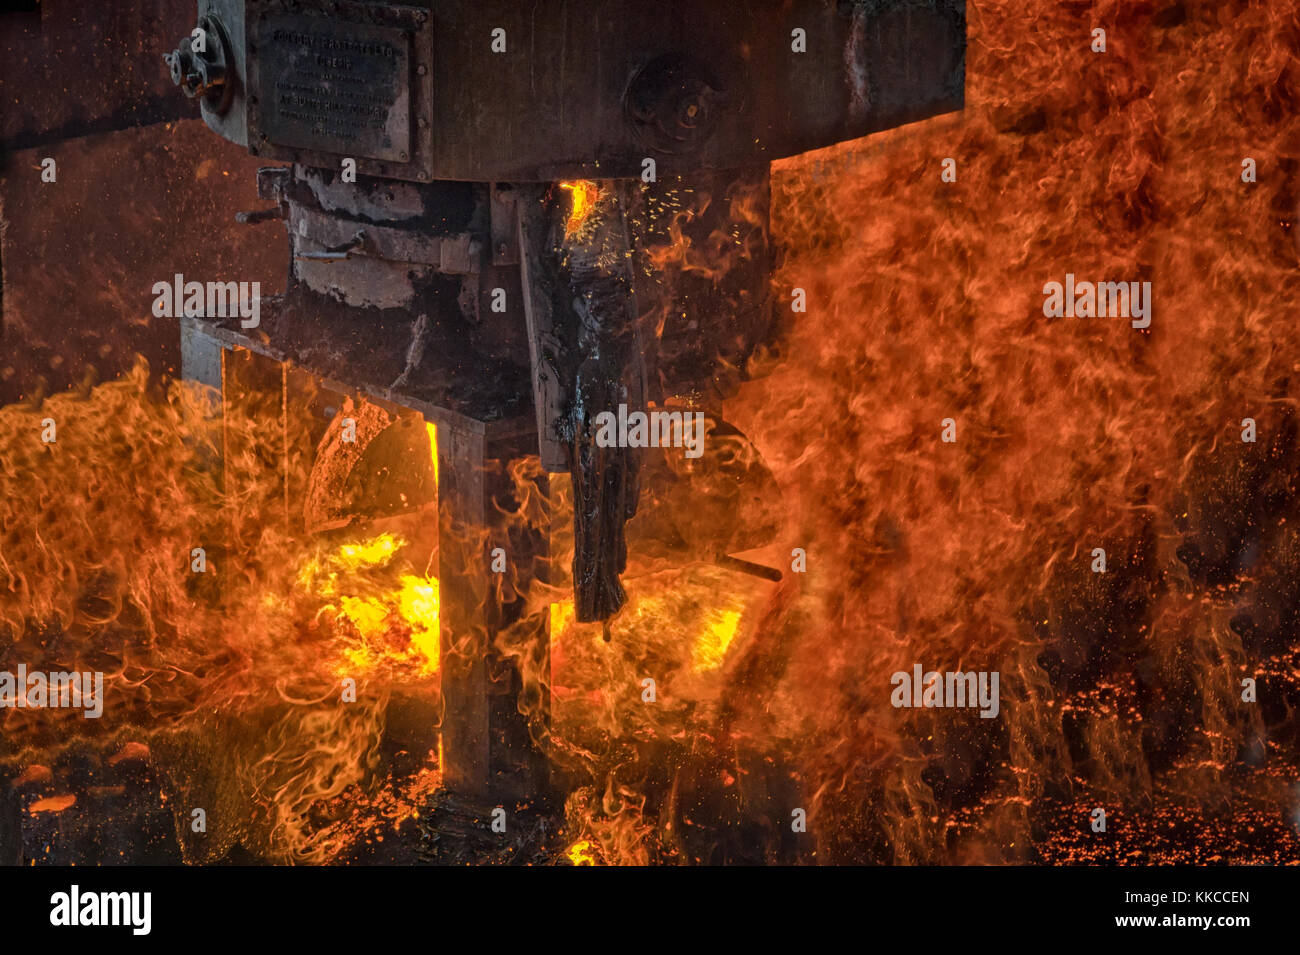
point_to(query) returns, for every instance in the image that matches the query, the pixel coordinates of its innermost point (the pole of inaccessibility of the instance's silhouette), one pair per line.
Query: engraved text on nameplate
(341, 88)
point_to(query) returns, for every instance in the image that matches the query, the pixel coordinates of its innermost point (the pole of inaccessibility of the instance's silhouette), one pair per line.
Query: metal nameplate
(335, 87)
(338, 79)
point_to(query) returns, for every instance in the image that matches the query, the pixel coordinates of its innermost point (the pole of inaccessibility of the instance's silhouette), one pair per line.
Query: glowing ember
(52, 804)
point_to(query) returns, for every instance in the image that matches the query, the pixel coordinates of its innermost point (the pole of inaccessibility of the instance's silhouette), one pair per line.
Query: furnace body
(492, 209)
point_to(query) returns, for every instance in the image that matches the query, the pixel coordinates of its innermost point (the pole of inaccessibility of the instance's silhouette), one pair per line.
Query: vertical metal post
(491, 750)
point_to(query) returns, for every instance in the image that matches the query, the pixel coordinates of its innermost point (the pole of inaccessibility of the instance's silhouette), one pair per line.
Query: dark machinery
(480, 199)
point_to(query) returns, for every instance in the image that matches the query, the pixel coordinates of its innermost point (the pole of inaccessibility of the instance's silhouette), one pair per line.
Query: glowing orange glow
(301, 613)
(51, 804)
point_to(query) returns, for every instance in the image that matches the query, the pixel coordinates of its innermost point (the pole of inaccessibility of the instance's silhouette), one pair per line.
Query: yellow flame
(372, 553)
(367, 614)
(376, 610)
(584, 194)
(711, 646)
(719, 625)
(561, 615)
(419, 604)
(580, 852)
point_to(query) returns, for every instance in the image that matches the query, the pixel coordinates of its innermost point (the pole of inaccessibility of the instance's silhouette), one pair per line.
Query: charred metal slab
(484, 398)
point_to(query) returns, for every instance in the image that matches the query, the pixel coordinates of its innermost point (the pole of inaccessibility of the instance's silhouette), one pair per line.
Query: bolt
(421, 69)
